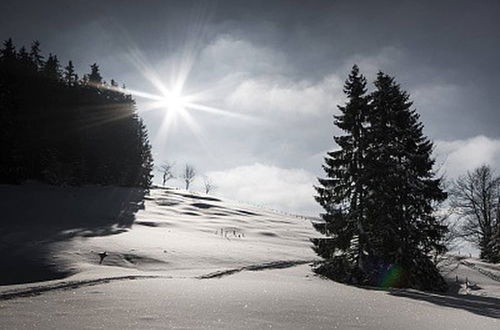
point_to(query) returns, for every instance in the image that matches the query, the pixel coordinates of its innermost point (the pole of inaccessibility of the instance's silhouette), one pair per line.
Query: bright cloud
(270, 186)
(459, 156)
(228, 54)
(281, 95)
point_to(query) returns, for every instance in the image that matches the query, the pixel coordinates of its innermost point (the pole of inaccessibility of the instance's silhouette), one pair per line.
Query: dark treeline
(62, 129)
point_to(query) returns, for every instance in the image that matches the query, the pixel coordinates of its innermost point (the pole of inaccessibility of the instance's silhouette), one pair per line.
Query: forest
(59, 128)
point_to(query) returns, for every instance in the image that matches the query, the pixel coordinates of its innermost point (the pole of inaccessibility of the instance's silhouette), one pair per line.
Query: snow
(187, 260)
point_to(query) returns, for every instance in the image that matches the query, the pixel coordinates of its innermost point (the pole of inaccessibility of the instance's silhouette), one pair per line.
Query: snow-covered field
(186, 260)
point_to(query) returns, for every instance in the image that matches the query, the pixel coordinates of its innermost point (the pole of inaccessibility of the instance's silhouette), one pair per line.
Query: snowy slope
(174, 232)
(186, 260)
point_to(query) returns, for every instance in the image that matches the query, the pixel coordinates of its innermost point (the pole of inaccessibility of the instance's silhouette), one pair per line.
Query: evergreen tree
(380, 193)
(24, 57)
(9, 50)
(35, 55)
(95, 76)
(341, 193)
(70, 76)
(51, 68)
(401, 190)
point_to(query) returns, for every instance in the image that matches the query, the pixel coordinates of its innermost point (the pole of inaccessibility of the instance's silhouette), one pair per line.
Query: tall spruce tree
(70, 76)
(35, 54)
(380, 192)
(51, 68)
(401, 191)
(341, 194)
(95, 76)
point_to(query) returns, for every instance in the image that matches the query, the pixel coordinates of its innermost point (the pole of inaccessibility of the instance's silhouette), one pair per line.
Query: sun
(177, 104)
(174, 102)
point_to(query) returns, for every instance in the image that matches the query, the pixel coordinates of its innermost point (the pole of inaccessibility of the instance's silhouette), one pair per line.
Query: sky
(276, 70)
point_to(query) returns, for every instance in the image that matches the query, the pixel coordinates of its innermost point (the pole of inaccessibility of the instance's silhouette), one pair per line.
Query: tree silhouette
(36, 57)
(208, 184)
(188, 175)
(95, 76)
(475, 197)
(341, 194)
(70, 76)
(380, 193)
(167, 172)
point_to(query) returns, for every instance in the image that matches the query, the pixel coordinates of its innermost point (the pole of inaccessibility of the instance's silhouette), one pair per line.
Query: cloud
(228, 54)
(440, 96)
(270, 186)
(254, 78)
(387, 59)
(279, 94)
(460, 156)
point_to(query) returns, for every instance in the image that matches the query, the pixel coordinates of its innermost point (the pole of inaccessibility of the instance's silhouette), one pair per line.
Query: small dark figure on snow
(102, 255)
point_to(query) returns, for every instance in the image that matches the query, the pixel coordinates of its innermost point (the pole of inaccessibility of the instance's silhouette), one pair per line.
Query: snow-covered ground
(186, 260)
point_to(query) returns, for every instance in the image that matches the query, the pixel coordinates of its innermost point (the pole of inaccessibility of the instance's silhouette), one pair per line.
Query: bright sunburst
(174, 102)
(171, 98)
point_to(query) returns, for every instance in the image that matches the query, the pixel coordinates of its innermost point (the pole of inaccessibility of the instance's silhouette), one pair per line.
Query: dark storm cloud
(284, 62)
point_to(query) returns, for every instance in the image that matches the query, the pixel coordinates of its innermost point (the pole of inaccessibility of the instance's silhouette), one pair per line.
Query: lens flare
(170, 98)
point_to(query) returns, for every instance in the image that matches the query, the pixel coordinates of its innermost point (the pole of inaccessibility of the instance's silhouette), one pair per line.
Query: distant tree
(145, 166)
(9, 50)
(188, 175)
(495, 246)
(35, 55)
(70, 76)
(24, 57)
(51, 68)
(208, 184)
(95, 76)
(475, 198)
(167, 172)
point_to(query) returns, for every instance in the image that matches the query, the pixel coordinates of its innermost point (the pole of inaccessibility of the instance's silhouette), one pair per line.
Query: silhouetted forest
(62, 129)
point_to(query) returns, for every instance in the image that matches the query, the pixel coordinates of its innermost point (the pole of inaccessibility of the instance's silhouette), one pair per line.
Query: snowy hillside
(178, 259)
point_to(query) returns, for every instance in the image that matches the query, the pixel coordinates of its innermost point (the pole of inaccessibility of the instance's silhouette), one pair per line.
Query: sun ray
(170, 90)
(217, 111)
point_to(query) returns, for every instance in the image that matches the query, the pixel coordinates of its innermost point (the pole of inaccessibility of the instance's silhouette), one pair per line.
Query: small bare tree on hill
(188, 175)
(167, 172)
(209, 185)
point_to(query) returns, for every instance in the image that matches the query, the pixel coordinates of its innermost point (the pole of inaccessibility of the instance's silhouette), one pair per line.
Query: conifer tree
(35, 55)
(380, 192)
(95, 76)
(401, 190)
(341, 194)
(51, 68)
(9, 50)
(24, 57)
(70, 76)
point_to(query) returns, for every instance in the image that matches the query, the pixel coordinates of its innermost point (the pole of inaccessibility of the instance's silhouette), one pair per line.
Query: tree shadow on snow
(484, 306)
(35, 218)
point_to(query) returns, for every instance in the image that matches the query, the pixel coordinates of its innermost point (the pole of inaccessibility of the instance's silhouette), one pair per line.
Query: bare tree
(167, 172)
(475, 198)
(188, 175)
(209, 186)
